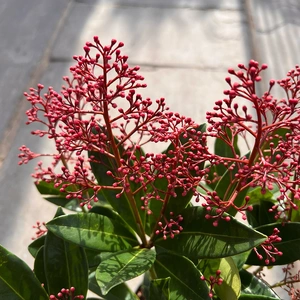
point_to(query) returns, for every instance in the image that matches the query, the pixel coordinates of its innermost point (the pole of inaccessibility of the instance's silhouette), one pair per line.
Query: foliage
(175, 216)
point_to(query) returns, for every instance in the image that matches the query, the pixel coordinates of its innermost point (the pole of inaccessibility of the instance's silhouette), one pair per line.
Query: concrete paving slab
(194, 4)
(163, 37)
(276, 29)
(26, 28)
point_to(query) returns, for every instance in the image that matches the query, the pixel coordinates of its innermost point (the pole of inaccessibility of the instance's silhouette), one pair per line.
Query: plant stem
(117, 159)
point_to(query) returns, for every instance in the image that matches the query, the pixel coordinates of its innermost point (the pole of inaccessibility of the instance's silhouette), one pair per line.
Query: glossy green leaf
(34, 247)
(260, 215)
(289, 245)
(231, 286)
(47, 188)
(121, 291)
(17, 281)
(256, 196)
(159, 289)
(200, 239)
(223, 148)
(185, 282)
(122, 266)
(93, 231)
(68, 204)
(101, 164)
(93, 257)
(253, 285)
(240, 259)
(65, 265)
(39, 267)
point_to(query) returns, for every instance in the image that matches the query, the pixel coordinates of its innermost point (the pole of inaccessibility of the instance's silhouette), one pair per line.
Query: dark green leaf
(223, 148)
(159, 289)
(46, 188)
(200, 239)
(93, 231)
(260, 215)
(93, 257)
(113, 215)
(17, 281)
(121, 291)
(231, 285)
(240, 259)
(39, 267)
(122, 266)
(289, 245)
(68, 204)
(185, 282)
(34, 247)
(252, 285)
(101, 164)
(65, 265)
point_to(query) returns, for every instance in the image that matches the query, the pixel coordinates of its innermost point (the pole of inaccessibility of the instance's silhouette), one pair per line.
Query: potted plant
(191, 219)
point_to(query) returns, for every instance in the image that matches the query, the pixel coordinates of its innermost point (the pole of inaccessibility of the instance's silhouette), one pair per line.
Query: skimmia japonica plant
(191, 219)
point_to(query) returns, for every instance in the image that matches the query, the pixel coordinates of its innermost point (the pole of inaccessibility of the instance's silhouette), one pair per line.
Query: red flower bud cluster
(269, 128)
(99, 111)
(269, 248)
(212, 281)
(66, 294)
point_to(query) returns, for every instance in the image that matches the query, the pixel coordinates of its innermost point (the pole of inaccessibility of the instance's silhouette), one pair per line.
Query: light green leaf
(17, 281)
(185, 282)
(93, 231)
(200, 239)
(121, 291)
(254, 286)
(231, 286)
(122, 266)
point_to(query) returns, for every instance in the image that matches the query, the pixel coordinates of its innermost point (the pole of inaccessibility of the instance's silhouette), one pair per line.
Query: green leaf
(93, 257)
(122, 266)
(240, 259)
(159, 289)
(200, 239)
(260, 215)
(47, 188)
(68, 204)
(34, 247)
(289, 245)
(223, 148)
(121, 291)
(185, 282)
(231, 286)
(93, 231)
(65, 265)
(17, 281)
(101, 164)
(256, 195)
(253, 285)
(39, 267)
